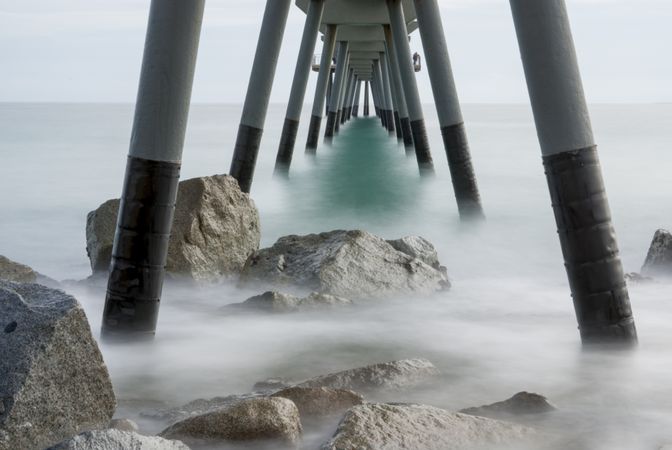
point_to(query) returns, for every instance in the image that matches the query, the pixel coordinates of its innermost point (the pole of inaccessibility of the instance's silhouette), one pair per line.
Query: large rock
(53, 381)
(278, 302)
(259, 419)
(13, 271)
(117, 440)
(383, 426)
(522, 403)
(417, 247)
(320, 402)
(215, 229)
(351, 264)
(389, 375)
(659, 258)
(197, 407)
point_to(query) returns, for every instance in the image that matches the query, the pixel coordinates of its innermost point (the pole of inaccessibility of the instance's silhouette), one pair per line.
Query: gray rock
(659, 258)
(258, 419)
(417, 247)
(53, 381)
(389, 375)
(13, 271)
(521, 403)
(320, 402)
(278, 302)
(383, 426)
(271, 384)
(215, 229)
(197, 407)
(123, 424)
(117, 440)
(637, 278)
(352, 264)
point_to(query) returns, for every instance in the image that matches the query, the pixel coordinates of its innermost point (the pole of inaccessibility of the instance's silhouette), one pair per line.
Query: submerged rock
(521, 403)
(123, 424)
(271, 384)
(352, 264)
(390, 375)
(259, 419)
(197, 407)
(13, 271)
(659, 258)
(117, 440)
(277, 302)
(383, 426)
(53, 381)
(215, 229)
(634, 277)
(320, 402)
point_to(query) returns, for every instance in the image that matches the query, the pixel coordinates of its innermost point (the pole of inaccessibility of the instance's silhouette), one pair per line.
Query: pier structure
(370, 43)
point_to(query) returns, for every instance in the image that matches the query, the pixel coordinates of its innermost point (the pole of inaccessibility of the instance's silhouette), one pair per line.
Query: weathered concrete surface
(383, 426)
(278, 302)
(117, 440)
(352, 264)
(258, 419)
(390, 375)
(659, 258)
(53, 381)
(215, 228)
(13, 271)
(521, 403)
(320, 402)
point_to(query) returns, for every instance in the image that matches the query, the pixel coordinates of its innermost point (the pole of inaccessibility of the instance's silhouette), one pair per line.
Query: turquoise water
(506, 325)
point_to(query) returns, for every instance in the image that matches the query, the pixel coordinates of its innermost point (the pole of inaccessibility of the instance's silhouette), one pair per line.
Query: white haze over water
(506, 325)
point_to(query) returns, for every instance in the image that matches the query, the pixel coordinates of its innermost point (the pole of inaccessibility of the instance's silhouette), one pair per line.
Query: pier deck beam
(298, 90)
(152, 169)
(321, 88)
(572, 167)
(341, 61)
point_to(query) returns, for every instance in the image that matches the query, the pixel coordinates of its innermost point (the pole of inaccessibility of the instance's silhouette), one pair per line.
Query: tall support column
(404, 121)
(381, 94)
(323, 84)
(403, 53)
(573, 172)
(358, 93)
(298, 91)
(329, 86)
(346, 96)
(351, 97)
(335, 91)
(395, 97)
(448, 109)
(366, 99)
(341, 100)
(152, 169)
(258, 92)
(389, 114)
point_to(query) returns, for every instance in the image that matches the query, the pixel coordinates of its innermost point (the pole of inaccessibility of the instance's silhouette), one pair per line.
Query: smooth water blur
(506, 325)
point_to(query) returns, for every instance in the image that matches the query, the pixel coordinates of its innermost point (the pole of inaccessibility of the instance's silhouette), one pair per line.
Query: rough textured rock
(320, 402)
(258, 419)
(417, 247)
(382, 426)
(352, 264)
(215, 229)
(53, 381)
(197, 407)
(272, 384)
(123, 425)
(117, 440)
(659, 258)
(520, 403)
(389, 375)
(278, 302)
(13, 271)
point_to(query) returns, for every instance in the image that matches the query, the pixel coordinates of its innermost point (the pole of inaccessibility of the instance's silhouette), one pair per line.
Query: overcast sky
(90, 50)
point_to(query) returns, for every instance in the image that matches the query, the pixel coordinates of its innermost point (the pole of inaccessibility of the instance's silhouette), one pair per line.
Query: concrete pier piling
(258, 92)
(298, 90)
(366, 99)
(358, 93)
(341, 59)
(572, 167)
(152, 169)
(448, 109)
(322, 85)
(394, 95)
(387, 91)
(410, 87)
(404, 122)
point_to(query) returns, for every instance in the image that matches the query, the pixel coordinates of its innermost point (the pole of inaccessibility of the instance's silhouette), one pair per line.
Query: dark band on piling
(331, 124)
(141, 246)
(245, 155)
(462, 171)
(313, 134)
(286, 147)
(337, 122)
(407, 132)
(397, 125)
(422, 152)
(589, 246)
(390, 121)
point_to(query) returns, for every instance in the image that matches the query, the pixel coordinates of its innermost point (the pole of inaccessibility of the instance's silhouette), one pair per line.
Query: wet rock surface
(522, 403)
(117, 440)
(259, 419)
(659, 257)
(384, 426)
(53, 381)
(278, 302)
(215, 228)
(352, 264)
(315, 403)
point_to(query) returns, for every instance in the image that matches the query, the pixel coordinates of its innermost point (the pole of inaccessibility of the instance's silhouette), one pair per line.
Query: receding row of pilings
(570, 159)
